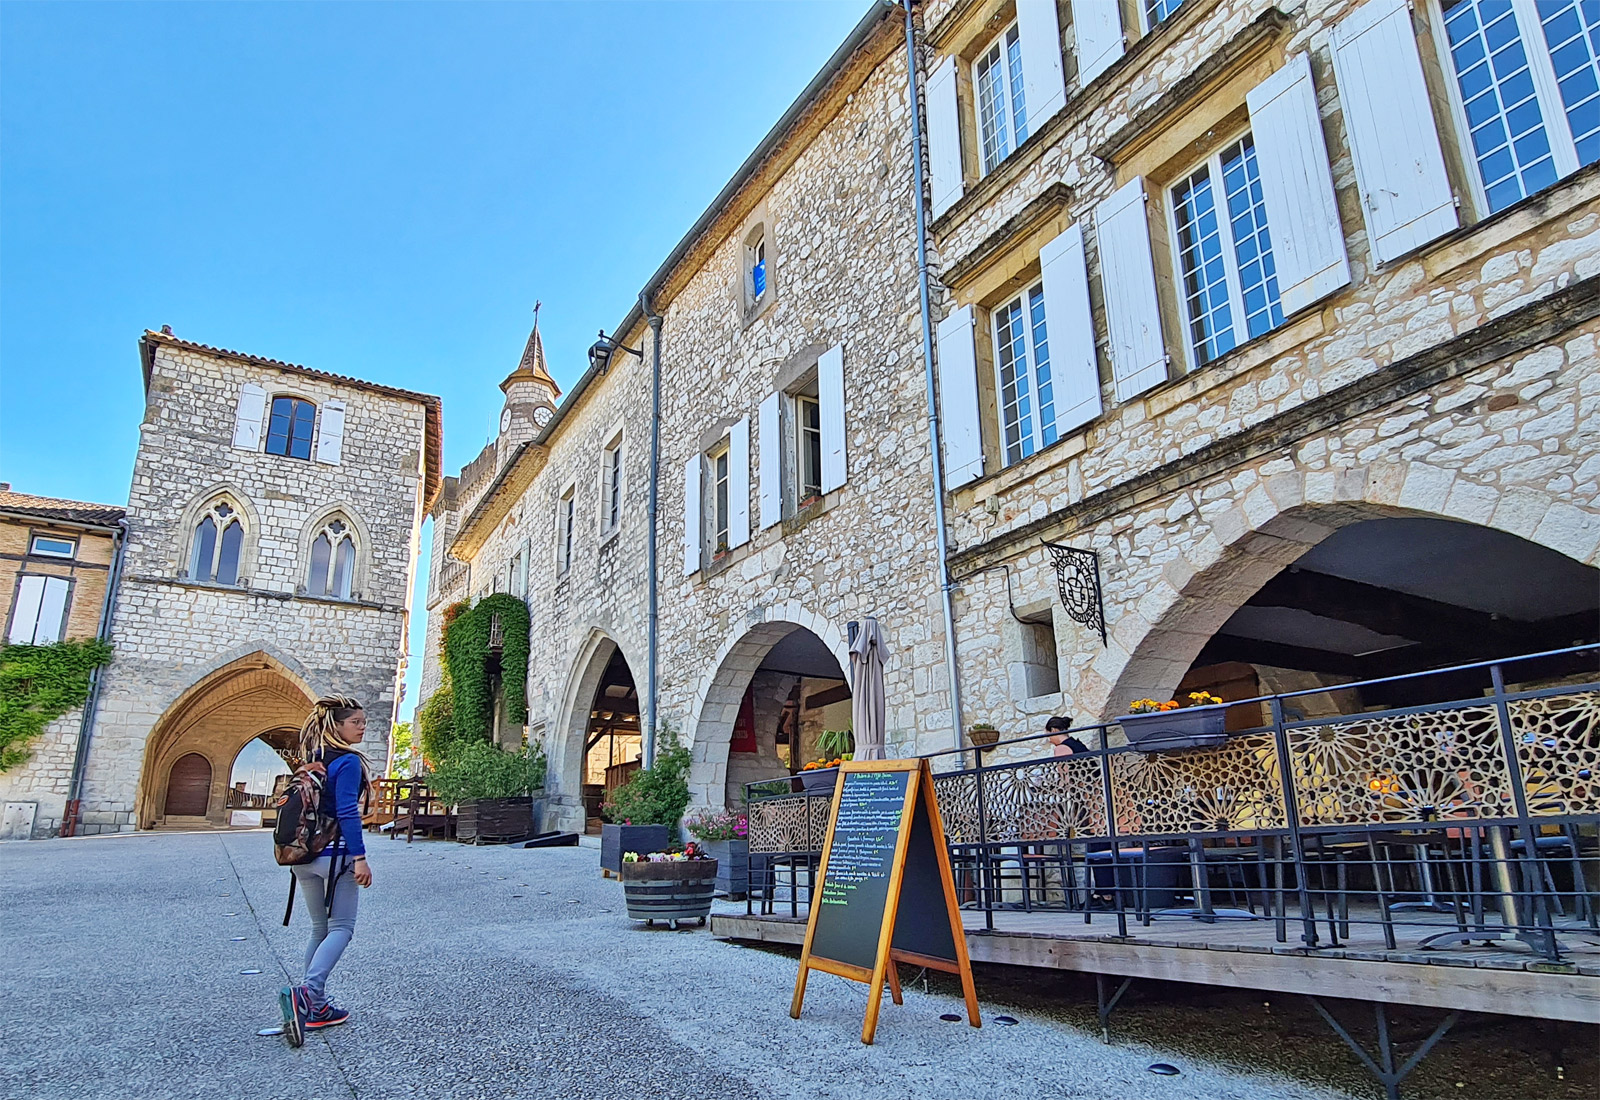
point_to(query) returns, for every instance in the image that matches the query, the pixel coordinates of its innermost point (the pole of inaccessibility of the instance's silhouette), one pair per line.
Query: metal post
(1544, 939)
(652, 658)
(1291, 812)
(1111, 832)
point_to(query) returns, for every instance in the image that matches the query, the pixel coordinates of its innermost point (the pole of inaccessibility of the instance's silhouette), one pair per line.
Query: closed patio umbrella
(866, 701)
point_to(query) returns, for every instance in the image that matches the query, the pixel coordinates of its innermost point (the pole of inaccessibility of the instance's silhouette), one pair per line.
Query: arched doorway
(189, 786)
(261, 770)
(776, 689)
(1383, 595)
(598, 747)
(253, 696)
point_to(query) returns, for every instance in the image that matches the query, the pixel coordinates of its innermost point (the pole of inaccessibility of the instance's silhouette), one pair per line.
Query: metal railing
(1469, 819)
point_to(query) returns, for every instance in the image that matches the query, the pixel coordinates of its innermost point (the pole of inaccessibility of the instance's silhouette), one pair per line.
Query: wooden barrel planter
(669, 891)
(495, 820)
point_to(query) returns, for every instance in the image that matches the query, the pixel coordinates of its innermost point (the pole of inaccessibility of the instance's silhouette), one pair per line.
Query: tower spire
(532, 365)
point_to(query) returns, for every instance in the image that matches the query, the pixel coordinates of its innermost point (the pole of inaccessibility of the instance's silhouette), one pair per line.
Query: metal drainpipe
(927, 361)
(651, 659)
(80, 756)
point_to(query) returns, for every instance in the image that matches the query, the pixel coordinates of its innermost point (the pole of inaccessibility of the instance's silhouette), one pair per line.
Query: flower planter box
(1185, 728)
(733, 865)
(669, 891)
(497, 820)
(617, 839)
(818, 780)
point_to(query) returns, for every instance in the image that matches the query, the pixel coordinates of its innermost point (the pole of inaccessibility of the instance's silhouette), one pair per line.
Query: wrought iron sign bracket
(1078, 582)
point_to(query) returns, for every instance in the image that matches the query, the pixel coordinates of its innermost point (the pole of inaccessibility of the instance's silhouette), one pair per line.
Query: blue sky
(379, 190)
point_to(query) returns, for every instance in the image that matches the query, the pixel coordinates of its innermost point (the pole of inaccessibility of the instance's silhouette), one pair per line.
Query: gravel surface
(496, 972)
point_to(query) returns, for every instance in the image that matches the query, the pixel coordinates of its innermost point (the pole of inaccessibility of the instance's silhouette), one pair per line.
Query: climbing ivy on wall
(466, 655)
(38, 684)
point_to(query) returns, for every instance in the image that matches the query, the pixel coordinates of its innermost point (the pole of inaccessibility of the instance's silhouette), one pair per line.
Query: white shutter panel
(944, 137)
(1405, 194)
(1044, 87)
(25, 611)
(330, 439)
(771, 443)
(1297, 186)
(691, 515)
(1128, 276)
(739, 483)
(52, 611)
(1069, 327)
(958, 399)
(247, 422)
(830, 407)
(1097, 31)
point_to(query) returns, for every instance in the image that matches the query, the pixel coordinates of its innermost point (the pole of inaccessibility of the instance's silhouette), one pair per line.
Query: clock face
(505, 421)
(541, 415)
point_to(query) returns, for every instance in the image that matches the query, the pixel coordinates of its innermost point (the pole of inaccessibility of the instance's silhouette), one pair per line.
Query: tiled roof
(433, 448)
(70, 511)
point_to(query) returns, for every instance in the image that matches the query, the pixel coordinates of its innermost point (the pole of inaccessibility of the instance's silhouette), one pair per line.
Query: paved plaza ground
(498, 972)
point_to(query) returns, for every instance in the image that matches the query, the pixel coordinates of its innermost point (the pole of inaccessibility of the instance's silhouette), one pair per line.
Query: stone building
(57, 562)
(272, 531)
(1265, 360)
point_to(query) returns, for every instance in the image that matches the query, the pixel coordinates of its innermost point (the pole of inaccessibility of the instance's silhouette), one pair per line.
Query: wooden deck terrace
(1245, 954)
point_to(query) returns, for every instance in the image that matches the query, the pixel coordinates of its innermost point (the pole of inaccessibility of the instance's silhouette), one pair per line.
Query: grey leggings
(330, 930)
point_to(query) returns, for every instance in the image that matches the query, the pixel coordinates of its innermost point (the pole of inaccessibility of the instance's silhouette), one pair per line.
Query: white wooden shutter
(691, 515)
(944, 137)
(1297, 186)
(1074, 373)
(739, 483)
(25, 611)
(330, 439)
(958, 399)
(1044, 87)
(771, 460)
(1128, 276)
(247, 421)
(52, 611)
(830, 407)
(1097, 32)
(1405, 193)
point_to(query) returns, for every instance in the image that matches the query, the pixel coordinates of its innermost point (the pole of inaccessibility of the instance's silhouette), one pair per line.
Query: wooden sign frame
(919, 795)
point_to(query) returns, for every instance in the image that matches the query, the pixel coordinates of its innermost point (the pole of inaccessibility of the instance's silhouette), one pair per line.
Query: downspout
(80, 756)
(652, 659)
(933, 404)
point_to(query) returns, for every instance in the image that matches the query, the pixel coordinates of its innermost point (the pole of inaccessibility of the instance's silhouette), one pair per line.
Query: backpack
(305, 825)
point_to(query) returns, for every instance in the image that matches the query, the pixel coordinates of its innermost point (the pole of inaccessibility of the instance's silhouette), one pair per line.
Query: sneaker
(292, 1004)
(329, 1015)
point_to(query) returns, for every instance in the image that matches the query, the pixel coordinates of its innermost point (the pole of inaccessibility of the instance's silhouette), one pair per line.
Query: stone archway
(722, 691)
(601, 662)
(249, 697)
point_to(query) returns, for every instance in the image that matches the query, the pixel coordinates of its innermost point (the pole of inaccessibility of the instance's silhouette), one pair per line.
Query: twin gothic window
(217, 541)
(218, 545)
(333, 561)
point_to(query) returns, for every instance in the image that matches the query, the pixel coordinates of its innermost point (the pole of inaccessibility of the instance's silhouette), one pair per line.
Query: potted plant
(642, 815)
(670, 886)
(725, 838)
(1194, 722)
(822, 773)
(494, 791)
(982, 734)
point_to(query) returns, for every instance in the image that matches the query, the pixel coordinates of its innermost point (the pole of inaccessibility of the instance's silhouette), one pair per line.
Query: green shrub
(38, 684)
(436, 728)
(656, 795)
(466, 655)
(481, 769)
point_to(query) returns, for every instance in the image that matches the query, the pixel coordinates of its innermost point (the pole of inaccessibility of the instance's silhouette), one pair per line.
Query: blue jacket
(344, 788)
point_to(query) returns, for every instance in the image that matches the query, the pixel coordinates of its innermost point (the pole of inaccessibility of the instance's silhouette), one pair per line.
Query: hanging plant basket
(981, 735)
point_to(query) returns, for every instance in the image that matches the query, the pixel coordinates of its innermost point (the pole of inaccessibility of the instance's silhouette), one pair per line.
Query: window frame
(1563, 152)
(337, 541)
(1147, 20)
(1014, 88)
(718, 512)
(566, 528)
(613, 486)
(1022, 298)
(34, 551)
(66, 608)
(235, 517)
(1212, 163)
(295, 400)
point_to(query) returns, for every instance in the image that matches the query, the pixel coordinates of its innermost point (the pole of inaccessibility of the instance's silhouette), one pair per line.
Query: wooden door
(189, 786)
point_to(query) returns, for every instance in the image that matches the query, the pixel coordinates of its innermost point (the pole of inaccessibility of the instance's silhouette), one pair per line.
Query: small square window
(1040, 663)
(611, 486)
(48, 546)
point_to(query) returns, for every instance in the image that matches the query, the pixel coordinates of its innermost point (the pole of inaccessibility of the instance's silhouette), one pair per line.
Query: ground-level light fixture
(601, 351)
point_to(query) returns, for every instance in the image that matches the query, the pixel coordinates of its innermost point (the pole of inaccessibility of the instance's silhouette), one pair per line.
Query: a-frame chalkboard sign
(886, 894)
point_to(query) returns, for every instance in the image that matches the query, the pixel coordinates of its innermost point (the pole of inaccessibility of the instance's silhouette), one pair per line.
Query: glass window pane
(1571, 30)
(278, 425)
(205, 549)
(991, 110)
(1016, 413)
(1508, 139)
(1205, 288)
(1252, 245)
(321, 550)
(1157, 10)
(228, 559)
(1019, 113)
(344, 569)
(300, 441)
(1044, 391)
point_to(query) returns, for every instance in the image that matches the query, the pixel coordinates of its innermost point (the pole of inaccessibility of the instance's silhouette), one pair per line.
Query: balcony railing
(1467, 820)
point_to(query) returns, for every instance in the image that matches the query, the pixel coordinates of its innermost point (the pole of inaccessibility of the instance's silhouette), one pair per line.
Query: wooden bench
(417, 810)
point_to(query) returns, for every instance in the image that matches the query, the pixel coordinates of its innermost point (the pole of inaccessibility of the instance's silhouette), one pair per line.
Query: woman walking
(328, 883)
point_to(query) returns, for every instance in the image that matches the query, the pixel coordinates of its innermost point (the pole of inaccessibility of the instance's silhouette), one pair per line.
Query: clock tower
(531, 396)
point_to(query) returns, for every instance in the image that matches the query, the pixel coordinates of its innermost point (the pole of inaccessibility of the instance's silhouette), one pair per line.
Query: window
(48, 546)
(611, 486)
(567, 515)
(1022, 367)
(1157, 10)
(218, 545)
(516, 579)
(1224, 253)
(289, 430)
(1530, 97)
(1041, 666)
(758, 269)
(333, 561)
(39, 610)
(717, 460)
(1002, 116)
(808, 441)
